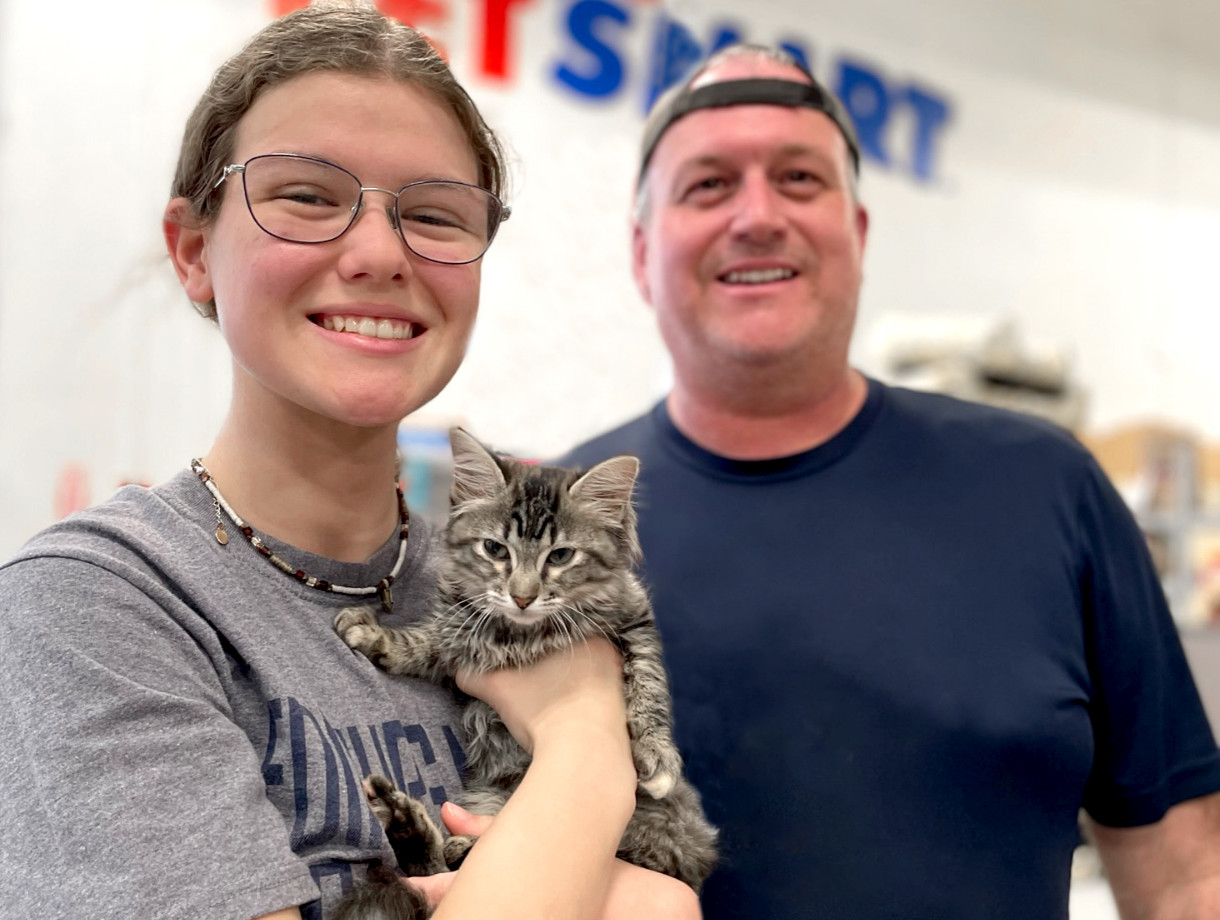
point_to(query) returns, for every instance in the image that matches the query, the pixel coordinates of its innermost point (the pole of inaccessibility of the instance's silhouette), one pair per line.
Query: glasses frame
(505, 211)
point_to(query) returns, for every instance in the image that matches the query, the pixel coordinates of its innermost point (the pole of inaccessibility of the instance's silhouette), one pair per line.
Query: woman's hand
(575, 690)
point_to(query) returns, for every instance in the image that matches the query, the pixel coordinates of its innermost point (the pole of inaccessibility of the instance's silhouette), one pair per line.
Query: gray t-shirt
(183, 733)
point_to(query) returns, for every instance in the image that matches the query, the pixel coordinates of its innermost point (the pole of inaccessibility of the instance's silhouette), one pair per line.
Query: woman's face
(276, 299)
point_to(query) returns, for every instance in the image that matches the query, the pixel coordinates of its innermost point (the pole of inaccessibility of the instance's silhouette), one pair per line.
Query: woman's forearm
(550, 853)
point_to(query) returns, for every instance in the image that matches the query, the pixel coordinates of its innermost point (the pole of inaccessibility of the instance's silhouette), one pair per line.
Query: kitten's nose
(523, 602)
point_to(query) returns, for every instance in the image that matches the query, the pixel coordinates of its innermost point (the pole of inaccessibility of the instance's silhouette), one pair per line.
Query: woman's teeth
(367, 326)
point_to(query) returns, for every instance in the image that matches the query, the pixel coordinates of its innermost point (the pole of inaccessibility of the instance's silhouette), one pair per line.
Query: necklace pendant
(387, 597)
(222, 536)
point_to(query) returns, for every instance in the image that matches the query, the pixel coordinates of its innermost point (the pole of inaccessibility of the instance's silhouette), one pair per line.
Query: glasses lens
(448, 221)
(299, 199)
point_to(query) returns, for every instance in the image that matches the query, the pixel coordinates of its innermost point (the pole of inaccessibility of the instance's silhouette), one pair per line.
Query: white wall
(1076, 188)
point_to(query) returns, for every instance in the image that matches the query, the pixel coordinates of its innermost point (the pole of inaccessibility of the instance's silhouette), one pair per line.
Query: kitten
(537, 559)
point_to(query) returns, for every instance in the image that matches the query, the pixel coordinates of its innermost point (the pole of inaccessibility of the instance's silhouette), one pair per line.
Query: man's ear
(184, 238)
(639, 261)
(861, 225)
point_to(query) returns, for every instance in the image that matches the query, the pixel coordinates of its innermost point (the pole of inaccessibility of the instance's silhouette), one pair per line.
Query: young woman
(185, 735)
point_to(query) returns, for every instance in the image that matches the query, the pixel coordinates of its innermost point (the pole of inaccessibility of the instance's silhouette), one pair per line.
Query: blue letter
(931, 114)
(674, 53)
(726, 34)
(581, 20)
(798, 52)
(868, 102)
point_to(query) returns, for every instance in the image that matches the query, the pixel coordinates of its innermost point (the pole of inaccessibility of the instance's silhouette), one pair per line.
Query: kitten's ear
(606, 490)
(476, 474)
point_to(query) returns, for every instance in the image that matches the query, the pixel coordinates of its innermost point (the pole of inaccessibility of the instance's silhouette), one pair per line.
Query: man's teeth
(373, 328)
(759, 276)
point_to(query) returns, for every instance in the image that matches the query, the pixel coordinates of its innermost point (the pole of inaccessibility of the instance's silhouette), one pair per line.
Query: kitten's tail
(383, 896)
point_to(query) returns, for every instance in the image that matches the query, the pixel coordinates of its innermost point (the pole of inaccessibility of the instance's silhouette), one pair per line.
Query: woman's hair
(326, 36)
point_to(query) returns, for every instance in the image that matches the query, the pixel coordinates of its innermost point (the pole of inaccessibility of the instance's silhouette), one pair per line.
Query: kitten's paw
(415, 838)
(659, 785)
(384, 799)
(457, 848)
(658, 765)
(358, 627)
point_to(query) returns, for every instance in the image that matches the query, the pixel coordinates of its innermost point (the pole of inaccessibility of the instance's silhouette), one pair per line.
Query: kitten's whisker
(474, 614)
(478, 612)
(592, 622)
(575, 634)
(464, 602)
(559, 629)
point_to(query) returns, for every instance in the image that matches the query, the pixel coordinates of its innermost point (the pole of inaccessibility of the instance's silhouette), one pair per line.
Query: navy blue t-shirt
(903, 660)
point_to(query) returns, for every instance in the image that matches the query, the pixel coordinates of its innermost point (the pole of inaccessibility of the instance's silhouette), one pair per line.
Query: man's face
(751, 244)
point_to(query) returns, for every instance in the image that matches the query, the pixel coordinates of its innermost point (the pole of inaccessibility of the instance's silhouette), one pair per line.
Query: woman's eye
(495, 550)
(560, 556)
(307, 195)
(430, 218)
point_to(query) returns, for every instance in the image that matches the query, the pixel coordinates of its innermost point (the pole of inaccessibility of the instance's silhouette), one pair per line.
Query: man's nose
(759, 209)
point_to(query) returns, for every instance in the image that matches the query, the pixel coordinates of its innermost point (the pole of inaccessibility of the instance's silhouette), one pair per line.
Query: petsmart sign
(608, 50)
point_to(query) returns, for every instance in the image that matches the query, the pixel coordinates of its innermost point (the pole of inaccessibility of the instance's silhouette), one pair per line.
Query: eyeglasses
(306, 200)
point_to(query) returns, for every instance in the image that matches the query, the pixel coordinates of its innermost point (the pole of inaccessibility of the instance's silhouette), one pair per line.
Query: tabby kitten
(537, 559)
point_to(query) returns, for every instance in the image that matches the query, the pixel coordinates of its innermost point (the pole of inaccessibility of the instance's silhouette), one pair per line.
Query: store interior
(1045, 213)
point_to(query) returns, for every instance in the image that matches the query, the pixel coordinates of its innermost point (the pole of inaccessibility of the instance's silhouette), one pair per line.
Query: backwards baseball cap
(681, 100)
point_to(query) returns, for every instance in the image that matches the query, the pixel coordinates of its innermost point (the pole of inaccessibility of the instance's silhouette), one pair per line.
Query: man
(909, 637)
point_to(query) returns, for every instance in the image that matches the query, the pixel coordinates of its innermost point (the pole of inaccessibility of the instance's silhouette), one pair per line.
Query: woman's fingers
(432, 887)
(461, 822)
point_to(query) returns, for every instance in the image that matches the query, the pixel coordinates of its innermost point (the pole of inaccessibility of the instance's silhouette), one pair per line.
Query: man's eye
(560, 555)
(801, 180)
(707, 184)
(495, 550)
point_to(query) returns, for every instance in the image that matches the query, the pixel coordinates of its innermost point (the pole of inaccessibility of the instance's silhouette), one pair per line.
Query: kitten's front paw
(358, 627)
(658, 764)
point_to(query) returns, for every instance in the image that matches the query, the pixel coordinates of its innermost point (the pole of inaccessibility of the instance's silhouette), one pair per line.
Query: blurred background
(1043, 178)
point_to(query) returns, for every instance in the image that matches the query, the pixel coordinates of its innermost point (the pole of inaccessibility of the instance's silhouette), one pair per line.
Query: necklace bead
(381, 589)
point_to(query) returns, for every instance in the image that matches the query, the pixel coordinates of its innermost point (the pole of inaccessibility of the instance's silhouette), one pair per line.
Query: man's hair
(676, 102)
(331, 37)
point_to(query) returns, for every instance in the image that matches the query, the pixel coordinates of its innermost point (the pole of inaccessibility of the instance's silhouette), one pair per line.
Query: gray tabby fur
(510, 606)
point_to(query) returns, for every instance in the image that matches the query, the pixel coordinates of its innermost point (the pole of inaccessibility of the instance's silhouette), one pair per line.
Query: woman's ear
(184, 238)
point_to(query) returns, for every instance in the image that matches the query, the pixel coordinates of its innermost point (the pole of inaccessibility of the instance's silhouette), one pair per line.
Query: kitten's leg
(671, 835)
(415, 838)
(649, 716)
(398, 651)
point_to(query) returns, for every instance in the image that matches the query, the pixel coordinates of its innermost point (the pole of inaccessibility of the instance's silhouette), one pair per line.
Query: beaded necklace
(381, 589)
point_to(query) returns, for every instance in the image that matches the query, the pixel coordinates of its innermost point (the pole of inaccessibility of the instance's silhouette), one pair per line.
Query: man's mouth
(370, 327)
(758, 276)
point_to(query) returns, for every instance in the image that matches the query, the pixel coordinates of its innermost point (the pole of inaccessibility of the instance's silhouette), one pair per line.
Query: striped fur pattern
(537, 559)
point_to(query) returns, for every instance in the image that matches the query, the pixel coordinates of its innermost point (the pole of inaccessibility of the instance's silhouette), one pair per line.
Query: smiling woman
(273, 293)
(206, 730)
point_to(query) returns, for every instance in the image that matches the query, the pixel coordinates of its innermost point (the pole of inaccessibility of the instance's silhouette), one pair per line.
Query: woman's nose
(372, 247)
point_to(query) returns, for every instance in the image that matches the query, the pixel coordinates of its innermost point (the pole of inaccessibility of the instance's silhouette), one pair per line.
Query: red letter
(415, 12)
(284, 7)
(495, 53)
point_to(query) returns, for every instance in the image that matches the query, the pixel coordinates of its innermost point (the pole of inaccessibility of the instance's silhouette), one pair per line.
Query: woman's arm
(550, 852)
(635, 893)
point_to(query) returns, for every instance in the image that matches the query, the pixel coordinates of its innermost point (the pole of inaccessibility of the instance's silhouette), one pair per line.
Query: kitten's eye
(561, 555)
(495, 550)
